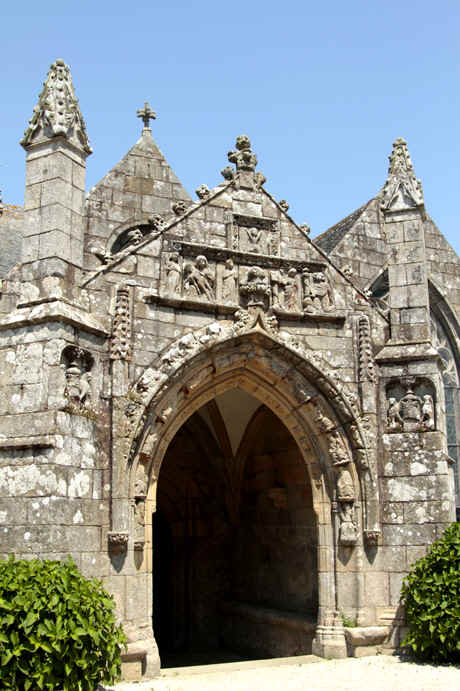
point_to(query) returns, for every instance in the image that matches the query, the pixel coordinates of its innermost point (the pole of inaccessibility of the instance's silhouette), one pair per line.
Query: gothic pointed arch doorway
(235, 564)
(304, 397)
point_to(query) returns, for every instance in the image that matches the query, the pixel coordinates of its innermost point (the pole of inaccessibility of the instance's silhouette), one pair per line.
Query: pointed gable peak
(402, 189)
(57, 113)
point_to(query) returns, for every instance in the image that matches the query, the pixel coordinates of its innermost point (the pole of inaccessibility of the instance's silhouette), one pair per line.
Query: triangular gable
(141, 185)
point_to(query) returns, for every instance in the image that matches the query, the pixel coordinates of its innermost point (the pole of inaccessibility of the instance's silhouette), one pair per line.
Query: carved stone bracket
(117, 541)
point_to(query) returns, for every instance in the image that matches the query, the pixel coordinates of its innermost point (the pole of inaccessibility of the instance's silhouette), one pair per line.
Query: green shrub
(57, 628)
(431, 596)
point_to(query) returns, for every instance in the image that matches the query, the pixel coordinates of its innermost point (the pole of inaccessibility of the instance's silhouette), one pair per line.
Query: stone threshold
(296, 660)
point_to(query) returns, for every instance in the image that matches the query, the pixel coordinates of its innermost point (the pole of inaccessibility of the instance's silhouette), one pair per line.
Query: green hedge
(431, 596)
(57, 628)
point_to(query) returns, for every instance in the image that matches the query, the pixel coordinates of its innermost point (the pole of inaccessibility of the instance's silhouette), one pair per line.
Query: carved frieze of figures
(77, 391)
(317, 291)
(120, 346)
(366, 365)
(410, 407)
(199, 280)
(256, 289)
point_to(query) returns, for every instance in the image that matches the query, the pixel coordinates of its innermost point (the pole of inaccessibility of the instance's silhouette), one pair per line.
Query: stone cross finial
(146, 113)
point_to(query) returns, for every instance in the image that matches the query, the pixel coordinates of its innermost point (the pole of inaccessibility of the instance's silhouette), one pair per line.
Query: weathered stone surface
(201, 380)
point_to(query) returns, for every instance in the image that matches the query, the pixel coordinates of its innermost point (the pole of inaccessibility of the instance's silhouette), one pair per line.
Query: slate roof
(331, 237)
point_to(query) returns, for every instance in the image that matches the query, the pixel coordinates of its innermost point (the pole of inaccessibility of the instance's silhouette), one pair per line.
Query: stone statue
(173, 273)
(254, 236)
(345, 487)
(199, 279)
(337, 450)
(317, 292)
(277, 283)
(428, 412)
(348, 534)
(77, 390)
(291, 291)
(256, 289)
(85, 389)
(394, 418)
(229, 282)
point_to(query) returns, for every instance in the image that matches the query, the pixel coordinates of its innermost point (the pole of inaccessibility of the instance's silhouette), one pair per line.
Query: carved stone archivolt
(77, 363)
(137, 445)
(410, 406)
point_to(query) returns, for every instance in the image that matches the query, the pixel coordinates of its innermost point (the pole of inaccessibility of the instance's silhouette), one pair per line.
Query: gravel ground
(377, 672)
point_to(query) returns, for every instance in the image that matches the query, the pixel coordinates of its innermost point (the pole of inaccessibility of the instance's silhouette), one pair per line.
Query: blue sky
(322, 90)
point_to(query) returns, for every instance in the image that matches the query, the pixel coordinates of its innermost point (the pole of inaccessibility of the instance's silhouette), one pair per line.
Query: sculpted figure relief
(229, 281)
(317, 292)
(291, 291)
(348, 534)
(412, 412)
(77, 390)
(199, 279)
(256, 289)
(173, 274)
(428, 412)
(394, 418)
(254, 236)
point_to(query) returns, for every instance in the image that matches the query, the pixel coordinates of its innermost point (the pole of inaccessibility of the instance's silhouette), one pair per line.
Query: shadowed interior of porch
(234, 539)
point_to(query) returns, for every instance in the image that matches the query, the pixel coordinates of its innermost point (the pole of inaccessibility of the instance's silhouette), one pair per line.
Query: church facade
(247, 434)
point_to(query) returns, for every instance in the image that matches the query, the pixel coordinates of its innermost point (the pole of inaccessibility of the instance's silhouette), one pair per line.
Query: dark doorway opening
(234, 540)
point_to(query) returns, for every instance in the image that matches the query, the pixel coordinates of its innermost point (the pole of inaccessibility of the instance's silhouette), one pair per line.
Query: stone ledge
(54, 311)
(368, 640)
(405, 352)
(40, 441)
(217, 308)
